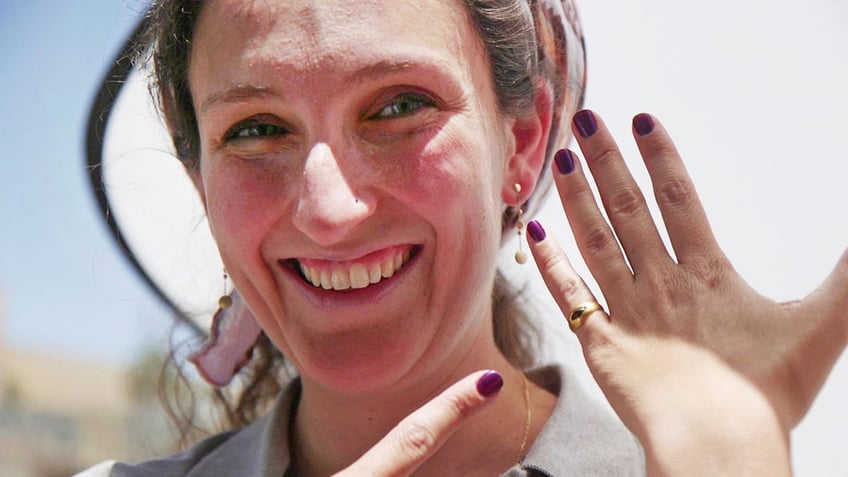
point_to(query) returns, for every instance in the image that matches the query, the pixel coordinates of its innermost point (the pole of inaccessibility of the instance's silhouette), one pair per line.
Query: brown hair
(506, 29)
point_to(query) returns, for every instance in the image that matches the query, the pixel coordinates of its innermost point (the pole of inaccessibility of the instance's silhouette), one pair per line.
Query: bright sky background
(753, 92)
(65, 287)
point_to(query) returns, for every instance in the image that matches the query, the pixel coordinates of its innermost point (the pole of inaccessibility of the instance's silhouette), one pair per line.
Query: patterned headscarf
(562, 54)
(561, 45)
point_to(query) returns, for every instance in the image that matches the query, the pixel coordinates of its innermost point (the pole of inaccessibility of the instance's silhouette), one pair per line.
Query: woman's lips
(353, 274)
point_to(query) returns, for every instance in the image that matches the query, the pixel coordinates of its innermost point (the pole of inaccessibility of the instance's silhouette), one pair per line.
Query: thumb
(830, 300)
(822, 318)
(418, 436)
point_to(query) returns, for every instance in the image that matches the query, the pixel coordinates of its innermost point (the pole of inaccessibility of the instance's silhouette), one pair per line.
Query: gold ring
(580, 313)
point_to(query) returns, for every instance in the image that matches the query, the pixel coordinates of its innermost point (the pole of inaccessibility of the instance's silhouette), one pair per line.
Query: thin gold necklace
(527, 421)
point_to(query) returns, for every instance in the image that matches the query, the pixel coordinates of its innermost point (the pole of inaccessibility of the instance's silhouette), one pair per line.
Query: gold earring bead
(520, 256)
(226, 300)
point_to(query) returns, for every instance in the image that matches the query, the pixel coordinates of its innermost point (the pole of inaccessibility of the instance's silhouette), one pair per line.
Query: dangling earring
(226, 300)
(520, 256)
(231, 338)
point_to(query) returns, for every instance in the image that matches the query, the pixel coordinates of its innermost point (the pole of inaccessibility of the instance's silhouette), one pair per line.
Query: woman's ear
(530, 136)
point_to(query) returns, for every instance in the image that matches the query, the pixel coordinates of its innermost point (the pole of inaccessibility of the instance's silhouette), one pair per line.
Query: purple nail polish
(585, 122)
(564, 159)
(489, 384)
(536, 231)
(643, 124)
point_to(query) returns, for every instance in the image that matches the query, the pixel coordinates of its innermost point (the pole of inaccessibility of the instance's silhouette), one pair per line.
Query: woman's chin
(360, 362)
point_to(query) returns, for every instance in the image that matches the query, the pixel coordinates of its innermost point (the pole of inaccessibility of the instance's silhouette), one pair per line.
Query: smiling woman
(360, 169)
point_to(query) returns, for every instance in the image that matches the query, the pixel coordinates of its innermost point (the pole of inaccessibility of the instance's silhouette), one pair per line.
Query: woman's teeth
(356, 275)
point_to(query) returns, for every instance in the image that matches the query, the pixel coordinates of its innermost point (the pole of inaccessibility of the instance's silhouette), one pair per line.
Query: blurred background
(753, 92)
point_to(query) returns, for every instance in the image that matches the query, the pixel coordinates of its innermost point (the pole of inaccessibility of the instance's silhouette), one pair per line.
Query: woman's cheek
(243, 198)
(443, 165)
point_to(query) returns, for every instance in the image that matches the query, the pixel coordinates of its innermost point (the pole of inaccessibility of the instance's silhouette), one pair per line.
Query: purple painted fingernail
(490, 383)
(564, 160)
(643, 124)
(536, 231)
(585, 122)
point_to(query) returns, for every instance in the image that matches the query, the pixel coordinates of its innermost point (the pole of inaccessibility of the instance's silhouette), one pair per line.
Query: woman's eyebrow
(237, 94)
(243, 92)
(380, 68)
(391, 66)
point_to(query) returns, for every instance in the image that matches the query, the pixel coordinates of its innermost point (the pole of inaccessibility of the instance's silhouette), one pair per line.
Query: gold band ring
(580, 313)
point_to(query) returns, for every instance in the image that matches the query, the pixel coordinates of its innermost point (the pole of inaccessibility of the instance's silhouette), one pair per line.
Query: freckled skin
(333, 130)
(341, 183)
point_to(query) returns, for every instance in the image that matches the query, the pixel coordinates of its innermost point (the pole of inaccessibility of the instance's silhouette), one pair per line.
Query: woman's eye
(403, 105)
(255, 130)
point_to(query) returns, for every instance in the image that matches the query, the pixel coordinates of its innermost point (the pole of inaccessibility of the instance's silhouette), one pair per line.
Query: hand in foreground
(418, 436)
(703, 369)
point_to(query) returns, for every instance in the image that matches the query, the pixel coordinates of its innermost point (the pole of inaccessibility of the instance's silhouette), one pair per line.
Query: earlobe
(530, 137)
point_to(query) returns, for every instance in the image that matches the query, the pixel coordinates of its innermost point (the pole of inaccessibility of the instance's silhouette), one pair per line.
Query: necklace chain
(527, 421)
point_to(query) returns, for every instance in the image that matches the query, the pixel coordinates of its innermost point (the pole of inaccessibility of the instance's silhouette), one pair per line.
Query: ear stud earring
(520, 256)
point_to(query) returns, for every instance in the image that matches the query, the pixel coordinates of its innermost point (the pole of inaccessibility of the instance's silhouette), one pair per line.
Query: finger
(684, 216)
(594, 238)
(564, 284)
(418, 436)
(823, 321)
(622, 198)
(832, 296)
(829, 301)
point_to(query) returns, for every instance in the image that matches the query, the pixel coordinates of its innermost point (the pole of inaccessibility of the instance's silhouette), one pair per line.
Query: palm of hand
(705, 337)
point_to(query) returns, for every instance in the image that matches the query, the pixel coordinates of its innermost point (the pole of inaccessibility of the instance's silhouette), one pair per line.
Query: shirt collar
(261, 448)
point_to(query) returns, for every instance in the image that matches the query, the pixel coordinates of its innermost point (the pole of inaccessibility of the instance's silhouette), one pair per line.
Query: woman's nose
(331, 203)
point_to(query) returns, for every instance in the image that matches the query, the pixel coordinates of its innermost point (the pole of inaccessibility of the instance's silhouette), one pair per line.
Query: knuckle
(416, 440)
(668, 291)
(626, 202)
(664, 151)
(552, 262)
(675, 192)
(578, 194)
(604, 157)
(711, 271)
(570, 287)
(598, 239)
(601, 348)
(460, 405)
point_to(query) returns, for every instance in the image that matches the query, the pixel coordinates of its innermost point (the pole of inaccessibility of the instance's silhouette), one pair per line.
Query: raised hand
(689, 354)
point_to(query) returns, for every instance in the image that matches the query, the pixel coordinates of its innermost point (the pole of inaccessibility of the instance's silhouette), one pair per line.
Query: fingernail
(536, 231)
(585, 122)
(564, 159)
(489, 384)
(643, 124)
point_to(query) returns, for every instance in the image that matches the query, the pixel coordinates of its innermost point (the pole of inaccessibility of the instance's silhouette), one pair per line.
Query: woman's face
(354, 170)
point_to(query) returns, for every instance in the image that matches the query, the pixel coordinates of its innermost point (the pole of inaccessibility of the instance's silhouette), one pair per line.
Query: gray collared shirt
(581, 438)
